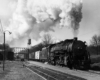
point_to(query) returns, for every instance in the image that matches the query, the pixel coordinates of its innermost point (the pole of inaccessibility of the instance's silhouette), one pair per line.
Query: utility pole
(4, 45)
(4, 50)
(4, 53)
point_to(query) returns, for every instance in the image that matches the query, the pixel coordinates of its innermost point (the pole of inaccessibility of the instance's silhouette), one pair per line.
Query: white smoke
(33, 16)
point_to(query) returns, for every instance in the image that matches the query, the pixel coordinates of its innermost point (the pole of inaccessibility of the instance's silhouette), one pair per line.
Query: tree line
(94, 47)
(6, 46)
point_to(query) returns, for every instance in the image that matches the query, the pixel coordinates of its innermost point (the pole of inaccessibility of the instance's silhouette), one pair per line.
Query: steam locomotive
(70, 52)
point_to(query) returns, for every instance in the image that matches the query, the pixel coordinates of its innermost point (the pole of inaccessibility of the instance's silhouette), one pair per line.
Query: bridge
(20, 49)
(22, 52)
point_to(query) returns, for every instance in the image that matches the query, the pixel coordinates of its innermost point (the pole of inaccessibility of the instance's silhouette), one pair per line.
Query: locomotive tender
(70, 52)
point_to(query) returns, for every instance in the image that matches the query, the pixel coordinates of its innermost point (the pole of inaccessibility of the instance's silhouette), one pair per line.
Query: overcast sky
(89, 25)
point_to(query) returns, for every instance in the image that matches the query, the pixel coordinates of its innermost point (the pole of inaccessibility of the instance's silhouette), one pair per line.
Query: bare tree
(47, 39)
(95, 41)
(99, 40)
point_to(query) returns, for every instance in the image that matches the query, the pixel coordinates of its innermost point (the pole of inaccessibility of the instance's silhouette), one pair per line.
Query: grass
(7, 69)
(14, 70)
(95, 58)
(95, 62)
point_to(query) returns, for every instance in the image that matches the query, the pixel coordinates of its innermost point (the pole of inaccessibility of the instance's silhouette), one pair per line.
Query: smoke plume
(31, 17)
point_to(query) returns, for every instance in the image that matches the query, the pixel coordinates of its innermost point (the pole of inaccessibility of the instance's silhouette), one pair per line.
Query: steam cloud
(34, 16)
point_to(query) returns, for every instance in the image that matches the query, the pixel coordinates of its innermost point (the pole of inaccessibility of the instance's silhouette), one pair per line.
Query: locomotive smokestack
(75, 38)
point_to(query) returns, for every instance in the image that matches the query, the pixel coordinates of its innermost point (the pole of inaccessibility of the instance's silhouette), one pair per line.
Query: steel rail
(46, 74)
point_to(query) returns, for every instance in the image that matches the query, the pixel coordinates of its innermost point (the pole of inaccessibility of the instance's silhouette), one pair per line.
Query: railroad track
(52, 74)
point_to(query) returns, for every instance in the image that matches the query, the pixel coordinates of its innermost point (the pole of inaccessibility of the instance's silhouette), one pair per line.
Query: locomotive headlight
(79, 48)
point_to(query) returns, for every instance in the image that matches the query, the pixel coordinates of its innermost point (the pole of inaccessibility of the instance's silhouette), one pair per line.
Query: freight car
(9, 55)
(39, 55)
(71, 53)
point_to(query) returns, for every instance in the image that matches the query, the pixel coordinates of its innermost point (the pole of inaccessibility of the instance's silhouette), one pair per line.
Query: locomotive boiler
(71, 53)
